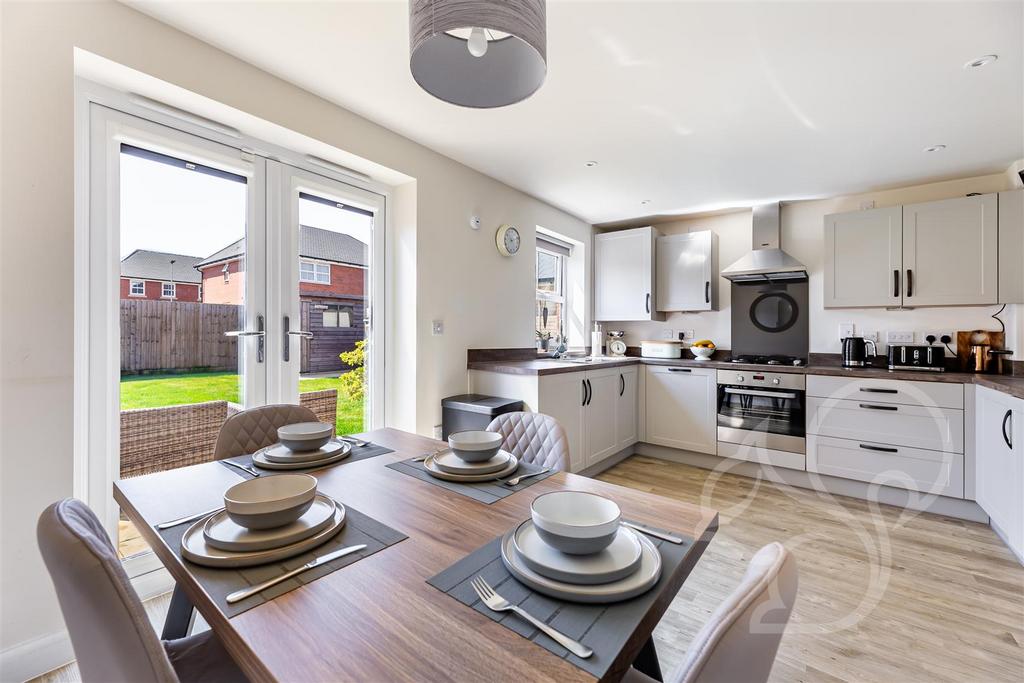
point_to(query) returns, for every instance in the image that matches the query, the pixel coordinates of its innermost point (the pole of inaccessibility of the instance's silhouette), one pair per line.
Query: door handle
(590, 392)
(586, 393)
(895, 283)
(1006, 435)
(882, 449)
(874, 407)
(622, 384)
(707, 291)
(288, 334)
(910, 283)
(259, 333)
(647, 303)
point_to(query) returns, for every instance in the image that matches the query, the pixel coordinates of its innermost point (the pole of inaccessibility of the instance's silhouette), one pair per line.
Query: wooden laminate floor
(885, 595)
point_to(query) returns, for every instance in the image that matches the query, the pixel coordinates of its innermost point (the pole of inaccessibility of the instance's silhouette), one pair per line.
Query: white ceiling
(691, 105)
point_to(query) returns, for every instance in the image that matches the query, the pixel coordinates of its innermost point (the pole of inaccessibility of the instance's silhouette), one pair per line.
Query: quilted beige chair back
(111, 635)
(256, 428)
(739, 641)
(534, 438)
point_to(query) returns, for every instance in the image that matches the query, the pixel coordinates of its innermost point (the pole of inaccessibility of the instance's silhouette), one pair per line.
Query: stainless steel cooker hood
(767, 261)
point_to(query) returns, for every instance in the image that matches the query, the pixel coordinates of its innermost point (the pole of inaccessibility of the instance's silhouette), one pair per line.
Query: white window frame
(163, 290)
(131, 287)
(558, 296)
(317, 265)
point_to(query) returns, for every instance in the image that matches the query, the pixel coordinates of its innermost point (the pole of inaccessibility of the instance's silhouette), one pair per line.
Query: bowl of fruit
(703, 349)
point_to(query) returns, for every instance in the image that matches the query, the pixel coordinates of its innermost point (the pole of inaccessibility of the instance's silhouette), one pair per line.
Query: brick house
(157, 275)
(332, 271)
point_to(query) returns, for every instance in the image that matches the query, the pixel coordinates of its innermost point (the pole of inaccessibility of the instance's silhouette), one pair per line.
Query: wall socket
(668, 334)
(845, 330)
(899, 337)
(938, 336)
(438, 431)
(870, 336)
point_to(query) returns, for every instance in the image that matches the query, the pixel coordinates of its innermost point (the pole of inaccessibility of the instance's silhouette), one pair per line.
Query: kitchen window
(312, 271)
(138, 288)
(337, 316)
(169, 290)
(551, 308)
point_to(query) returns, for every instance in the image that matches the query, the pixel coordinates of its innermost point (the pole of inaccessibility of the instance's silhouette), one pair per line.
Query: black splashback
(770, 318)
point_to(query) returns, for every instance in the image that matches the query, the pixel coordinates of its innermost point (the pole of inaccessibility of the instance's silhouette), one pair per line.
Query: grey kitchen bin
(467, 412)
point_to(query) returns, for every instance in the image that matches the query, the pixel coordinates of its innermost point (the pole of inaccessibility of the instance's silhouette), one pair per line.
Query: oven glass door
(775, 411)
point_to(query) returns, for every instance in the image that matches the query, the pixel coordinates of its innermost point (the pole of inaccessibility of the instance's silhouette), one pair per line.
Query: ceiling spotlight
(645, 202)
(590, 164)
(935, 148)
(981, 61)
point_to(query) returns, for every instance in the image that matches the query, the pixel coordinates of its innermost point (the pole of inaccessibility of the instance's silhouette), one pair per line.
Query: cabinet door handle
(680, 370)
(895, 283)
(583, 385)
(873, 390)
(910, 283)
(647, 303)
(1006, 435)
(874, 407)
(707, 291)
(622, 384)
(882, 449)
(590, 392)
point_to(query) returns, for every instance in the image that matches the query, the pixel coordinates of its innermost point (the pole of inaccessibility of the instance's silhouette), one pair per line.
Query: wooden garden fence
(177, 335)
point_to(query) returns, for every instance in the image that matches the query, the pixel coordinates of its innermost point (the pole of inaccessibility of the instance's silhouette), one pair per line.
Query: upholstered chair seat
(534, 438)
(256, 428)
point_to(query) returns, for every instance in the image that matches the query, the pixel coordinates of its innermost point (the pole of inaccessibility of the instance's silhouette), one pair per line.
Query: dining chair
(739, 641)
(111, 635)
(533, 437)
(256, 428)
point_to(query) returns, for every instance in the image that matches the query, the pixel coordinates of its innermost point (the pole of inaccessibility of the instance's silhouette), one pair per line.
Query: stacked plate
(305, 445)
(264, 520)
(546, 554)
(451, 467)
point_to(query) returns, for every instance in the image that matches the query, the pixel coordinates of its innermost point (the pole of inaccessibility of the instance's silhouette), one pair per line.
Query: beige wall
(803, 237)
(441, 268)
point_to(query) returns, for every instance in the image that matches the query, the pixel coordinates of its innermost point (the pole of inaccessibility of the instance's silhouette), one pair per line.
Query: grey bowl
(268, 502)
(576, 546)
(475, 446)
(305, 436)
(270, 520)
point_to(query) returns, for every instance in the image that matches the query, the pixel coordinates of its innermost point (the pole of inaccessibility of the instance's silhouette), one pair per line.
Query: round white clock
(508, 240)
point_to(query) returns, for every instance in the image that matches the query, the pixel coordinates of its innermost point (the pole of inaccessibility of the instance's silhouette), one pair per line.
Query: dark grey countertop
(1008, 384)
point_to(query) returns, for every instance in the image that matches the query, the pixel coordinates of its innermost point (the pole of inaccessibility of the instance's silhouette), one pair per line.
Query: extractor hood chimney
(767, 262)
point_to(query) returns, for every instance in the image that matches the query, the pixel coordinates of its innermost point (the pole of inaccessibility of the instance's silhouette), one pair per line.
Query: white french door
(203, 269)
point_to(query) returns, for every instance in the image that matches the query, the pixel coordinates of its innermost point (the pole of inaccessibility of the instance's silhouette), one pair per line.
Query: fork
(500, 604)
(354, 441)
(429, 454)
(514, 481)
(244, 468)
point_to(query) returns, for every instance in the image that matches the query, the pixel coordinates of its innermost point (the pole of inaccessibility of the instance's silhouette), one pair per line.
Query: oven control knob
(739, 378)
(776, 381)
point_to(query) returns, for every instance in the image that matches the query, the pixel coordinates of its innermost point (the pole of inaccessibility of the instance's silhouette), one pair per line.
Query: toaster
(911, 357)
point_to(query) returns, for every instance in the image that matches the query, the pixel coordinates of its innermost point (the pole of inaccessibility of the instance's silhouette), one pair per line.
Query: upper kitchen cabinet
(624, 275)
(1011, 247)
(951, 252)
(686, 271)
(863, 258)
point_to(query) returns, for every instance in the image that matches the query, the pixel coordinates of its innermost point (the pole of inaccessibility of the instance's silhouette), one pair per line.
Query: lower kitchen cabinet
(999, 458)
(681, 408)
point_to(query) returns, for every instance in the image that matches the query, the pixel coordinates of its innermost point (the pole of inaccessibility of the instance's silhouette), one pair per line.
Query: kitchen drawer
(904, 392)
(938, 429)
(916, 469)
(764, 456)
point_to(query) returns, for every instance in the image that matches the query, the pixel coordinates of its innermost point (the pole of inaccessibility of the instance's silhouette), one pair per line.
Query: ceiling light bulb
(981, 61)
(935, 148)
(590, 164)
(477, 43)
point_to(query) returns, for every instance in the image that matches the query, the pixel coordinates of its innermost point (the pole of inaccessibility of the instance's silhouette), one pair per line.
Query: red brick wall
(216, 291)
(154, 290)
(345, 281)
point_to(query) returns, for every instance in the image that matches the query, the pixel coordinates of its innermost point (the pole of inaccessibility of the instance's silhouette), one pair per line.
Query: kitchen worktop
(821, 364)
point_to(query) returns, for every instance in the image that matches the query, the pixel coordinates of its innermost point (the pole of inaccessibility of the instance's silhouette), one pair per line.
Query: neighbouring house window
(138, 288)
(227, 274)
(311, 271)
(551, 309)
(168, 290)
(337, 316)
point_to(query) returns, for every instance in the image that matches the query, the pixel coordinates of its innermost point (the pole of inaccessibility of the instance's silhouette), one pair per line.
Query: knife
(651, 532)
(182, 520)
(315, 562)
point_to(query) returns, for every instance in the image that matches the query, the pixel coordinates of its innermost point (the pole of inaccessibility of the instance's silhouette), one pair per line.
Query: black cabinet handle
(895, 283)
(707, 291)
(874, 407)
(1006, 435)
(910, 283)
(872, 390)
(622, 384)
(647, 303)
(882, 449)
(583, 383)
(680, 370)
(590, 391)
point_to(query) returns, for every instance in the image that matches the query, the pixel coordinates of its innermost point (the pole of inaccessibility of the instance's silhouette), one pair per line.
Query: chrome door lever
(288, 334)
(259, 333)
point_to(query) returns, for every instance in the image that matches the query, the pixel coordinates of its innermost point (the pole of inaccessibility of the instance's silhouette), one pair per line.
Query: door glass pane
(334, 240)
(181, 288)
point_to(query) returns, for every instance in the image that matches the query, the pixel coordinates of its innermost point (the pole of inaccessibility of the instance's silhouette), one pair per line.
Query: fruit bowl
(703, 352)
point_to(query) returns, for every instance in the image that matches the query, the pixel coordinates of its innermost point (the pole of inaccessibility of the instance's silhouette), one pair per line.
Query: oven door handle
(755, 392)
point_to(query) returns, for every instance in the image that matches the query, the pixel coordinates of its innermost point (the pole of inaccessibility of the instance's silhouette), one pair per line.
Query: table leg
(179, 616)
(646, 661)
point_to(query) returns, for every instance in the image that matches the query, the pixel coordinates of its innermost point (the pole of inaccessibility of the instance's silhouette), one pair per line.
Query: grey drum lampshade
(511, 69)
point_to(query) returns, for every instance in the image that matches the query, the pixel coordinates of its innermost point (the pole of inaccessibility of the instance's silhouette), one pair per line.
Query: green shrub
(352, 381)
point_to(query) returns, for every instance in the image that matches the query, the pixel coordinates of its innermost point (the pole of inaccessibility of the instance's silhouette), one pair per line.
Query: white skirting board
(952, 507)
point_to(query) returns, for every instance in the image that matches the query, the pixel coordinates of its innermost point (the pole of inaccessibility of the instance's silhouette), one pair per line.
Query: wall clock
(508, 240)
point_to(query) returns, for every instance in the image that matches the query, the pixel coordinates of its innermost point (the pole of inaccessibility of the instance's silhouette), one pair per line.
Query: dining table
(378, 619)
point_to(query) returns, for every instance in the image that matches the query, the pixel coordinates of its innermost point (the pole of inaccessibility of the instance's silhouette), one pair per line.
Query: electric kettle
(855, 352)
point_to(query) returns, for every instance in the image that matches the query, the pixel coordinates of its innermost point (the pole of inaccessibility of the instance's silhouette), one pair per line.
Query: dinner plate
(282, 454)
(617, 561)
(194, 547)
(433, 470)
(260, 460)
(637, 583)
(221, 532)
(453, 464)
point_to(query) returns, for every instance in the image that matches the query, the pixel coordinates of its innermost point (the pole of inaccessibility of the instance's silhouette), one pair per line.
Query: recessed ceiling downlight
(590, 164)
(935, 148)
(981, 61)
(645, 202)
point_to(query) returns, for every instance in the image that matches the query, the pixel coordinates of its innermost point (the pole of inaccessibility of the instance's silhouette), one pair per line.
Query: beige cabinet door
(1000, 462)
(599, 415)
(863, 262)
(684, 271)
(682, 408)
(624, 275)
(1011, 247)
(951, 252)
(626, 428)
(561, 397)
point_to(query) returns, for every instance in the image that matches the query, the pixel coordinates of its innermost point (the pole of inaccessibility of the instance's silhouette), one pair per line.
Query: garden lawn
(157, 391)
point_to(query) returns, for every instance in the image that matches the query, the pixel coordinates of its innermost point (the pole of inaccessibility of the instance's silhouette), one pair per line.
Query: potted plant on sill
(543, 339)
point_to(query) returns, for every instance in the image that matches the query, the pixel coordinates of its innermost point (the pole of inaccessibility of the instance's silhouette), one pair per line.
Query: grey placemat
(603, 628)
(358, 453)
(218, 583)
(486, 492)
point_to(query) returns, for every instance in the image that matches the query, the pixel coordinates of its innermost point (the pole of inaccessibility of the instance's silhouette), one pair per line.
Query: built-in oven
(762, 409)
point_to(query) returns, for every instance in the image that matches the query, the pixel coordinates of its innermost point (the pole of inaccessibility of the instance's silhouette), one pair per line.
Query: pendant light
(478, 53)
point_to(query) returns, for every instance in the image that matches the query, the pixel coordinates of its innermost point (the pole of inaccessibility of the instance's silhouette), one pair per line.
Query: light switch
(899, 337)
(437, 328)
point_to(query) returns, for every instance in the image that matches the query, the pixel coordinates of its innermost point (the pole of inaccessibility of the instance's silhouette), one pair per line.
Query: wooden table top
(378, 619)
